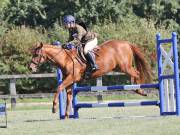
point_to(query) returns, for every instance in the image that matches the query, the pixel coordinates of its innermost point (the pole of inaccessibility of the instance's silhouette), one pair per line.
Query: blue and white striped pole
(117, 104)
(115, 87)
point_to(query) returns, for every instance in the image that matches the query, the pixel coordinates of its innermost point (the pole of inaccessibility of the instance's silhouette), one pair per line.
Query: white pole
(172, 96)
(166, 94)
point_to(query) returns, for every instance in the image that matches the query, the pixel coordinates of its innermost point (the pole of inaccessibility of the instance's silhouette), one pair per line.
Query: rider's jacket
(79, 35)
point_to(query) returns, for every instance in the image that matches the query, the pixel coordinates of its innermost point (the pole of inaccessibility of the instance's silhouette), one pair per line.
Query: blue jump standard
(2, 109)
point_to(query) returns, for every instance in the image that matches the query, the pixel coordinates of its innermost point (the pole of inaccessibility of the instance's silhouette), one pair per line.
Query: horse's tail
(142, 65)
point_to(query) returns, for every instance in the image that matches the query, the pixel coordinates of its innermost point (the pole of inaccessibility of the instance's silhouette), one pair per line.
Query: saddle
(81, 58)
(80, 52)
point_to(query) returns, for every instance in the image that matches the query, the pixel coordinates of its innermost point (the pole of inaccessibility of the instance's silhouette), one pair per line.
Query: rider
(79, 35)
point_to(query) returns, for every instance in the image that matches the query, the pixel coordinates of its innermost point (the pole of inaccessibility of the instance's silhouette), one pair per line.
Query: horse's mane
(45, 45)
(56, 47)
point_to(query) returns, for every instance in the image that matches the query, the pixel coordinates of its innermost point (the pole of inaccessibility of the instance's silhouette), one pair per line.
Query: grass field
(38, 120)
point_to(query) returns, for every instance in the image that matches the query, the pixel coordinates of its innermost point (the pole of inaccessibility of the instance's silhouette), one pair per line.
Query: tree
(25, 12)
(161, 11)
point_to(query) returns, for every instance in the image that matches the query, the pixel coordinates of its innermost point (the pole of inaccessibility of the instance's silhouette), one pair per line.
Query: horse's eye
(35, 55)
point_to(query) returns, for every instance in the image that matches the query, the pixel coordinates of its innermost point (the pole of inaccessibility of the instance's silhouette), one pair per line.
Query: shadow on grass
(126, 117)
(41, 120)
(99, 118)
(3, 126)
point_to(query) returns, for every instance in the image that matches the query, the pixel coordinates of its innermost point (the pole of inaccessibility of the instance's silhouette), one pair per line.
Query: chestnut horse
(113, 55)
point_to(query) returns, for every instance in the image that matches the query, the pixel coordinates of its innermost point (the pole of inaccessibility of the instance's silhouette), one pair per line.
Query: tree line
(23, 23)
(47, 12)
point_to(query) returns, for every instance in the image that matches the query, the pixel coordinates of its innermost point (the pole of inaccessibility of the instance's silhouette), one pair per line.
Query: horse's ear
(41, 44)
(31, 49)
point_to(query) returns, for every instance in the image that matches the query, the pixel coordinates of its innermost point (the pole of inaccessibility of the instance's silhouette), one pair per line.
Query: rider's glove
(68, 46)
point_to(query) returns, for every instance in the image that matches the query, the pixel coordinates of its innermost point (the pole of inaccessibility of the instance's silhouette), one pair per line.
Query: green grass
(34, 117)
(127, 96)
(29, 100)
(93, 122)
(34, 100)
(46, 103)
(31, 107)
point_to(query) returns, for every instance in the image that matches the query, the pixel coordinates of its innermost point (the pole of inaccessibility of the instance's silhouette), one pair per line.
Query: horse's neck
(56, 55)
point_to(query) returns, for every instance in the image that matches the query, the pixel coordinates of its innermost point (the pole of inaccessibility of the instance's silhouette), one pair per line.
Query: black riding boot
(91, 59)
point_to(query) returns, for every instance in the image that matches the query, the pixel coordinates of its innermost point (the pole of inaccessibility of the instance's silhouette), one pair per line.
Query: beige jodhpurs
(90, 45)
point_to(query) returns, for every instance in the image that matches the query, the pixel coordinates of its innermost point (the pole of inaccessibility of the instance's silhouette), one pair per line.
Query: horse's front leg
(68, 101)
(67, 82)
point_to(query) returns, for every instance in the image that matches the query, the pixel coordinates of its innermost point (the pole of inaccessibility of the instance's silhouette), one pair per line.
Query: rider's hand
(68, 46)
(64, 46)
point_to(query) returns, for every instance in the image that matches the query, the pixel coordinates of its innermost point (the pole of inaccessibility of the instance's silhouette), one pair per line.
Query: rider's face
(70, 25)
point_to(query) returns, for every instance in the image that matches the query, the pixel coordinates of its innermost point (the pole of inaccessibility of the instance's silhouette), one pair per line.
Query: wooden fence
(12, 86)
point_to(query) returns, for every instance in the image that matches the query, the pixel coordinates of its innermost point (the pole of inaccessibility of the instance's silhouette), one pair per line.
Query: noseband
(37, 54)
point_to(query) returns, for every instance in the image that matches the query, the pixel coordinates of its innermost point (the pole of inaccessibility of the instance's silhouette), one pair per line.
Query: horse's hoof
(66, 117)
(53, 110)
(141, 92)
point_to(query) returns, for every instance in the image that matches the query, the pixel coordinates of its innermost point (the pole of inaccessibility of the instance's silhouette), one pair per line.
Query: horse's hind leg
(135, 79)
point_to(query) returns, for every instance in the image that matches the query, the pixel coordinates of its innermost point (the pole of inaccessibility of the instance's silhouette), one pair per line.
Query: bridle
(38, 53)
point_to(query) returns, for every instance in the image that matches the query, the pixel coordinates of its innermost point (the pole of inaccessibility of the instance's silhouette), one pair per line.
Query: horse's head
(37, 57)
(56, 54)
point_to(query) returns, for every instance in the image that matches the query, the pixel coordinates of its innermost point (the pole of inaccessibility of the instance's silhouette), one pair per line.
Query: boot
(91, 59)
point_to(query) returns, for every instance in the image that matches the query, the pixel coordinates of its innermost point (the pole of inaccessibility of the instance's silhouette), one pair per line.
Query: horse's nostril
(30, 68)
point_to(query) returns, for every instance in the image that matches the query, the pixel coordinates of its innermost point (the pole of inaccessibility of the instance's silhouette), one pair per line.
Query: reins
(55, 55)
(72, 61)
